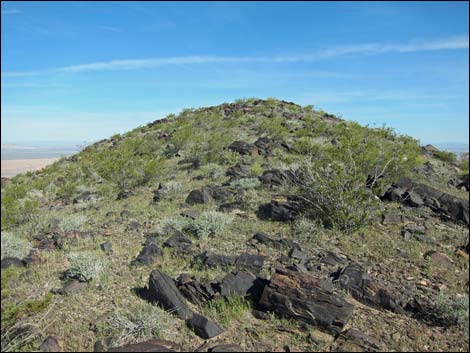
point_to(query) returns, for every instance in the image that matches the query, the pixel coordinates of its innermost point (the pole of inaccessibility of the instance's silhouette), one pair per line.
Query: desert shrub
(145, 322)
(212, 170)
(17, 206)
(210, 223)
(84, 266)
(274, 127)
(463, 163)
(245, 183)
(453, 311)
(334, 193)
(15, 246)
(179, 223)
(446, 156)
(72, 223)
(304, 228)
(172, 188)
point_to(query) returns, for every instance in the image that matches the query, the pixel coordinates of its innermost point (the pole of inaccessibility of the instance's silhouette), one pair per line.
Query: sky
(83, 71)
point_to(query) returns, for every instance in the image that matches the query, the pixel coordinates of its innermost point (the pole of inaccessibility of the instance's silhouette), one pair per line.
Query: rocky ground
(225, 260)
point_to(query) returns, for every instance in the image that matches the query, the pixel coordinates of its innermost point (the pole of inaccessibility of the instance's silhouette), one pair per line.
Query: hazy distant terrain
(38, 150)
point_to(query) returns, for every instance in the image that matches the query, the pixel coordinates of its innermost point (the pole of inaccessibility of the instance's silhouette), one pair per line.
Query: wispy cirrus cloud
(450, 43)
(10, 11)
(110, 29)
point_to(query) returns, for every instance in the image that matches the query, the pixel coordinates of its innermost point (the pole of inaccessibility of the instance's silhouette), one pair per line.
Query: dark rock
(72, 287)
(125, 214)
(300, 297)
(238, 171)
(332, 259)
(298, 255)
(393, 194)
(213, 260)
(163, 290)
(123, 194)
(439, 259)
(265, 239)
(106, 247)
(353, 340)
(178, 240)
(265, 145)
(50, 344)
(243, 147)
(230, 206)
(279, 211)
(190, 214)
(273, 178)
(199, 196)
(133, 225)
(361, 286)
(253, 263)
(33, 258)
(412, 199)
(241, 283)
(203, 327)
(196, 292)
(12, 261)
(158, 194)
(147, 346)
(226, 348)
(149, 253)
(260, 315)
(221, 193)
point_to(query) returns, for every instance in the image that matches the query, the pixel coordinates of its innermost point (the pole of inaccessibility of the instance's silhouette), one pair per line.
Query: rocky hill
(258, 225)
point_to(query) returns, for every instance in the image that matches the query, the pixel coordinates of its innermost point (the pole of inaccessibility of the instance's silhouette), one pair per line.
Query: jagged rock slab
(177, 240)
(149, 253)
(239, 170)
(243, 147)
(213, 260)
(241, 283)
(203, 327)
(361, 286)
(192, 289)
(12, 262)
(226, 348)
(202, 195)
(250, 262)
(301, 297)
(353, 340)
(278, 211)
(162, 289)
(50, 344)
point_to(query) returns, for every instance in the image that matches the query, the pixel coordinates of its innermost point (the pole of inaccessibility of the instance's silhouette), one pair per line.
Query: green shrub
(179, 223)
(256, 169)
(210, 223)
(245, 183)
(84, 266)
(225, 310)
(212, 170)
(14, 246)
(72, 223)
(453, 311)
(445, 156)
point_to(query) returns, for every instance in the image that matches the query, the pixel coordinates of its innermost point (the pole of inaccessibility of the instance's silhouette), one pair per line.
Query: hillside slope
(258, 223)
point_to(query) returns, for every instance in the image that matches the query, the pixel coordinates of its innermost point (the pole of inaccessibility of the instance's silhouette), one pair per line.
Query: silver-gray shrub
(84, 266)
(14, 246)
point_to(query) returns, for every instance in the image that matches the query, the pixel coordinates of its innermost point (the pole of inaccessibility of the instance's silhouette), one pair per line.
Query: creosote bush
(210, 223)
(85, 266)
(245, 183)
(14, 246)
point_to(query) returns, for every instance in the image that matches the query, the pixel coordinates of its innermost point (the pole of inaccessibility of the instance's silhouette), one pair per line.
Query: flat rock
(72, 287)
(301, 297)
(250, 262)
(177, 240)
(213, 260)
(389, 218)
(12, 262)
(162, 289)
(353, 340)
(203, 327)
(273, 178)
(241, 283)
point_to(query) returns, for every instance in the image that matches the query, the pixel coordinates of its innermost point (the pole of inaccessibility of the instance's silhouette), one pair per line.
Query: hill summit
(257, 225)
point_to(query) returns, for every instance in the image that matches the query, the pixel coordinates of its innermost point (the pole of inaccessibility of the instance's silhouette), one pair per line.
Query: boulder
(203, 327)
(162, 289)
(149, 253)
(106, 247)
(239, 170)
(202, 195)
(212, 260)
(244, 148)
(250, 262)
(50, 344)
(301, 297)
(265, 145)
(72, 287)
(439, 259)
(12, 261)
(273, 178)
(361, 286)
(389, 218)
(282, 211)
(192, 289)
(241, 283)
(158, 194)
(178, 241)
(147, 346)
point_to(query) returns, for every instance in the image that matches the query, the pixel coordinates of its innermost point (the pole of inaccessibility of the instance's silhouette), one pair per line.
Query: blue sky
(81, 71)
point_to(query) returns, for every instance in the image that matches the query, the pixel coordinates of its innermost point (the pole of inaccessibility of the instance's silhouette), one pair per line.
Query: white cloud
(111, 29)
(451, 43)
(10, 11)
